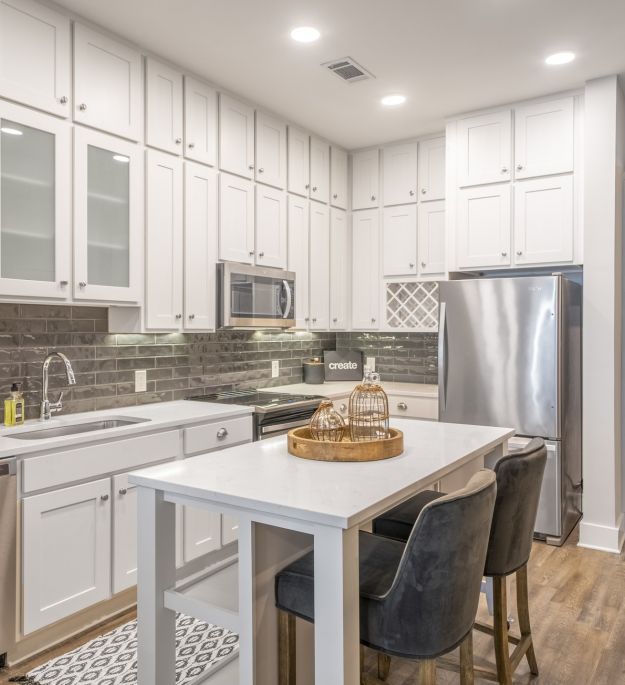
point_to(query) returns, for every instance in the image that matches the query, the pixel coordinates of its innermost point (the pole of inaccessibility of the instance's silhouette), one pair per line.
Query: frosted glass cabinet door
(108, 218)
(35, 189)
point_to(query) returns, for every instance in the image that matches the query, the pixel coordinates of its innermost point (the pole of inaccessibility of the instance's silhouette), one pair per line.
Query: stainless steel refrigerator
(509, 354)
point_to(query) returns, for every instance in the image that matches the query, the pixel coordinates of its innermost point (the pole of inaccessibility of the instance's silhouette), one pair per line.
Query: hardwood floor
(577, 607)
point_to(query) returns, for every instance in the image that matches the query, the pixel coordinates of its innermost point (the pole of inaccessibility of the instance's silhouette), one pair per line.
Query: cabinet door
(319, 169)
(298, 156)
(340, 253)
(35, 56)
(484, 148)
(35, 192)
(236, 219)
(270, 150)
(431, 231)
(108, 218)
(298, 248)
(229, 529)
(365, 179)
(483, 230)
(163, 107)
(338, 177)
(365, 270)
(236, 136)
(201, 533)
(543, 221)
(432, 169)
(319, 267)
(107, 84)
(399, 238)
(270, 227)
(124, 533)
(163, 259)
(200, 246)
(200, 122)
(66, 552)
(400, 174)
(544, 138)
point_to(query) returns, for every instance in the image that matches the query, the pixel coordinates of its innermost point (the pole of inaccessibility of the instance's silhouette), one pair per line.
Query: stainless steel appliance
(510, 355)
(254, 297)
(275, 413)
(8, 545)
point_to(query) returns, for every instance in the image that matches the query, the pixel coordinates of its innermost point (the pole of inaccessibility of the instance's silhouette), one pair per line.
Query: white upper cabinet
(365, 179)
(298, 161)
(544, 138)
(236, 219)
(431, 233)
(340, 253)
(35, 204)
(236, 136)
(400, 174)
(319, 169)
(338, 177)
(270, 150)
(543, 221)
(432, 169)
(319, 267)
(35, 56)
(270, 230)
(365, 270)
(298, 248)
(200, 246)
(484, 226)
(107, 84)
(484, 148)
(400, 240)
(164, 238)
(163, 107)
(108, 217)
(200, 122)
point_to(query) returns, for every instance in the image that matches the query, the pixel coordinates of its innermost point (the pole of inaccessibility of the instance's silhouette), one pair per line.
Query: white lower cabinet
(340, 251)
(400, 240)
(66, 552)
(124, 498)
(298, 255)
(431, 238)
(365, 270)
(319, 267)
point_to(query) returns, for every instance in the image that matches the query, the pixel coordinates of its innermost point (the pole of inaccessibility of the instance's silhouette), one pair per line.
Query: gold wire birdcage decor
(368, 410)
(327, 424)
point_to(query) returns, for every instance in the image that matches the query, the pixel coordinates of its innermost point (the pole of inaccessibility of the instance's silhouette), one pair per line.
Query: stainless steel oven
(254, 296)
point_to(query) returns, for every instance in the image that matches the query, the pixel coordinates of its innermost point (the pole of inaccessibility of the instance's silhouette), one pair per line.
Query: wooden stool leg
(286, 648)
(427, 672)
(502, 652)
(384, 666)
(522, 601)
(467, 676)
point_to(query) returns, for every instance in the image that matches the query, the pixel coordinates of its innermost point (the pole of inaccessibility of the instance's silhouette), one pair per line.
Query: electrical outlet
(370, 363)
(275, 368)
(141, 380)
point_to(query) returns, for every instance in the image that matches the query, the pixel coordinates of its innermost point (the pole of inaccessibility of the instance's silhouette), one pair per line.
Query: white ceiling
(446, 56)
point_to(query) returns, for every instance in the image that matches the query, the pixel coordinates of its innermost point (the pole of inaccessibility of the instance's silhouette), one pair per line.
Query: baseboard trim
(602, 538)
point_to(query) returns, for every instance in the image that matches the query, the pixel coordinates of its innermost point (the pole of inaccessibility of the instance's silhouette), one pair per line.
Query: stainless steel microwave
(254, 296)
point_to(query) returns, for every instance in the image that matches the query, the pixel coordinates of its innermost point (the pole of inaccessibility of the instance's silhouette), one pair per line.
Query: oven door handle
(289, 299)
(276, 427)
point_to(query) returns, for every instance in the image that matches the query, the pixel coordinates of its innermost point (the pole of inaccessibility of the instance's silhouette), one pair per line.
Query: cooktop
(260, 400)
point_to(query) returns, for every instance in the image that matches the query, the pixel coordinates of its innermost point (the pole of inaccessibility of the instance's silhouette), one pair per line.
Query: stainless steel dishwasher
(8, 545)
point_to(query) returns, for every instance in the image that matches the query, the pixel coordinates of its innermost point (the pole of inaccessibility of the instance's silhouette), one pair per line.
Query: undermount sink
(73, 429)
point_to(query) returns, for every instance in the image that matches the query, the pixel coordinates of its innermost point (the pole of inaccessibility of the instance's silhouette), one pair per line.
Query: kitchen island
(284, 506)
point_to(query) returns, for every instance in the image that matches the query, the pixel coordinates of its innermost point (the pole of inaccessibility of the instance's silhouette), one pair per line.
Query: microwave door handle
(289, 299)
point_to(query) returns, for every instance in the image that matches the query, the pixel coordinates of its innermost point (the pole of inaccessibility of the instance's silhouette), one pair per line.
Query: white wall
(620, 218)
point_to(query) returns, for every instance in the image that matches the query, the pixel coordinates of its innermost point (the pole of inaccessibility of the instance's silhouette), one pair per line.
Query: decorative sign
(343, 365)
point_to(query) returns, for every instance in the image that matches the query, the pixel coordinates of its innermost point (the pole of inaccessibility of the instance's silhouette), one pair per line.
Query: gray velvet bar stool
(418, 599)
(519, 479)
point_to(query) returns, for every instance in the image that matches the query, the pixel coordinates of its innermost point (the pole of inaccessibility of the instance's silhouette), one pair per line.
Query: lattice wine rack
(412, 306)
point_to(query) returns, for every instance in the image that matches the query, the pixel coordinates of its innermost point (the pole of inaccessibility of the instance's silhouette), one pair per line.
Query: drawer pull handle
(222, 433)
(104, 497)
(123, 491)
(402, 405)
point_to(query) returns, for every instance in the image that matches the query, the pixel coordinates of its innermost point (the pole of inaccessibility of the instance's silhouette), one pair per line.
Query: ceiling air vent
(348, 70)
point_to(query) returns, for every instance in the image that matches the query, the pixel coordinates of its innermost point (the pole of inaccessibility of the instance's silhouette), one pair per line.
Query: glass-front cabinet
(108, 218)
(35, 191)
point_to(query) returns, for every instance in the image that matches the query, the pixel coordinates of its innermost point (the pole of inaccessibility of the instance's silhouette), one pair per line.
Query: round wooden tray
(301, 444)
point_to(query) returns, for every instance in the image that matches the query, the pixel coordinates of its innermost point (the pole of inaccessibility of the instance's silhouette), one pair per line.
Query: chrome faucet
(47, 407)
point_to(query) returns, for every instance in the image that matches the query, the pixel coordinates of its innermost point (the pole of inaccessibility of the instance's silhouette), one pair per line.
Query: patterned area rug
(111, 659)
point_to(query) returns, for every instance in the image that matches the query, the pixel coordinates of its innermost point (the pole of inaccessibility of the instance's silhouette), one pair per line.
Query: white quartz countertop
(263, 476)
(334, 389)
(160, 416)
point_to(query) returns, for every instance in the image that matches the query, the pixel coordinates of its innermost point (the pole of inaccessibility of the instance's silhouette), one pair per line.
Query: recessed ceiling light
(305, 34)
(393, 100)
(121, 158)
(560, 58)
(11, 131)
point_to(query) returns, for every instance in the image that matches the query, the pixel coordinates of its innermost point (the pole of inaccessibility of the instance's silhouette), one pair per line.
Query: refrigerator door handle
(442, 362)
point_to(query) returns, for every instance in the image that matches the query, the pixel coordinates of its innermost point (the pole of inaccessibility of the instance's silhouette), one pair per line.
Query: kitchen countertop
(161, 416)
(334, 389)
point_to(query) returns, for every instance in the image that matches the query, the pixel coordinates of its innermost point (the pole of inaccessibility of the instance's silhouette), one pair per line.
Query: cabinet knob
(82, 107)
(83, 284)
(63, 100)
(250, 167)
(372, 320)
(314, 320)
(519, 167)
(411, 193)
(191, 146)
(314, 189)
(178, 141)
(63, 282)
(306, 319)
(504, 253)
(261, 170)
(411, 265)
(402, 405)
(424, 191)
(104, 497)
(307, 186)
(334, 320)
(123, 491)
(222, 433)
(179, 316)
(251, 253)
(504, 169)
(261, 254)
(519, 253)
(423, 264)
(192, 316)
(343, 407)
(335, 196)
(373, 197)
